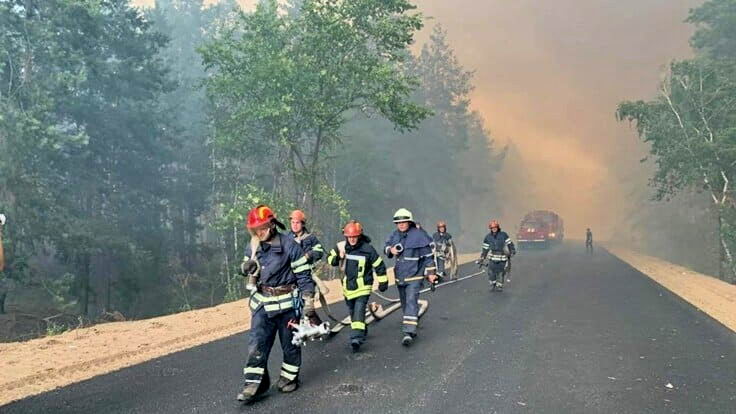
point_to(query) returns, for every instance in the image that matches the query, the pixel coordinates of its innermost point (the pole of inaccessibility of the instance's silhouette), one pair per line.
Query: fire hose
(376, 311)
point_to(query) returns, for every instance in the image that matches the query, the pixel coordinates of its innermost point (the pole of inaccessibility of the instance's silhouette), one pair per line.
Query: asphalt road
(570, 334)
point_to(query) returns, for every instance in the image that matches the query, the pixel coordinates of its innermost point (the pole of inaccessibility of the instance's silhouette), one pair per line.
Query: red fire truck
(540, 229)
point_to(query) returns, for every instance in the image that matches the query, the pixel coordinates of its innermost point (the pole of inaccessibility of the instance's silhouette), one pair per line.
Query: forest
(134, 140)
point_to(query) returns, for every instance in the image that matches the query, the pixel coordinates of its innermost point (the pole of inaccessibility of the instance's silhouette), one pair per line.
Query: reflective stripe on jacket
(360, 264)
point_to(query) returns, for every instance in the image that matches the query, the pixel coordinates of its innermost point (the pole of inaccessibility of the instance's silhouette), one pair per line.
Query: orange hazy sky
(548, 77)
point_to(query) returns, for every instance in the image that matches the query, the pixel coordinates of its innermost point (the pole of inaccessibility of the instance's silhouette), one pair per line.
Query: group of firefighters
(279, 270)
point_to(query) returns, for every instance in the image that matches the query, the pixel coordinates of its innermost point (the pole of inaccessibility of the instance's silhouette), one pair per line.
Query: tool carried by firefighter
(445, 251)
(305, 331)
(253, 272)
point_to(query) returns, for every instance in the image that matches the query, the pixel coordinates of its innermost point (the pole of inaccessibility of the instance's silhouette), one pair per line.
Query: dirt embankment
(43, 364)
(40, 365)
(713, 296)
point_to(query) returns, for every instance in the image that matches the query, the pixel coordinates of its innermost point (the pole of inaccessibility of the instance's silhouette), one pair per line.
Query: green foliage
(716, 23)
(86, 146)
(690, 125)
(432, 170)
(53, 328)
(133, 142)
(282, 84)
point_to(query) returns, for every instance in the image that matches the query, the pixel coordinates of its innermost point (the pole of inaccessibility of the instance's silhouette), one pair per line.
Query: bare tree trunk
(726, 251)
(85, 284)
(3, 293)
(2, 252)
(314, 171)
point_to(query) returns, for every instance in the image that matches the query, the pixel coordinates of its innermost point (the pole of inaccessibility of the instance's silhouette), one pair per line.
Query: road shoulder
(44, 364)
(712, 296)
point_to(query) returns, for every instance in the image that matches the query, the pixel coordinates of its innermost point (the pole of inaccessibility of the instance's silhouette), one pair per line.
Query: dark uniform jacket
(282, 263)
(310, 244)
(360, 263)
(495, 243)
(416, 260)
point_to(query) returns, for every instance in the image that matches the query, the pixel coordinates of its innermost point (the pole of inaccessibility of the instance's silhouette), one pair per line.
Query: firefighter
(359, 261)
(309, 243)
(501, 247)
(443, 243)
(284, 288)
(412, 248)
(313, 250)
(589, 241)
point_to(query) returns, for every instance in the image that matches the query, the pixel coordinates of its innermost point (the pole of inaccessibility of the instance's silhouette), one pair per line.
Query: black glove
(311, 257)
(383, 286)
(248, 267)
(479, 262)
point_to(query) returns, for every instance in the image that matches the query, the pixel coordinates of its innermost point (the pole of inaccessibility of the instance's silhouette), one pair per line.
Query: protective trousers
(409, 295)
(497, 271)
(262, 335)
(357, 317)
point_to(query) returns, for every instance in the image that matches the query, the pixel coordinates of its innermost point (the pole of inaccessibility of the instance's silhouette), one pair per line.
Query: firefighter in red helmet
(362, 265)
(501, 248)
(284, 285)
(443, 246)
(313, 250)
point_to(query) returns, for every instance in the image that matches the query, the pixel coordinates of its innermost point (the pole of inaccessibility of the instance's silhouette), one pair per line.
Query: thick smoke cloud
(548, 76)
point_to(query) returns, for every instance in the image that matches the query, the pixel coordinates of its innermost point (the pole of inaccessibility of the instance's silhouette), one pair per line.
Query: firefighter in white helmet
(412, 248)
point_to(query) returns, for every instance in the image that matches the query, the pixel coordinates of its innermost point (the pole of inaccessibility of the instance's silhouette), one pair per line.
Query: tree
(716, 34)
(690, 129)
(86, 145)
(282, 85)
(437, 168)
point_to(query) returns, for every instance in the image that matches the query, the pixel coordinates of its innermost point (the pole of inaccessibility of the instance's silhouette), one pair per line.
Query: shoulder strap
(341, 251)
(255, 244)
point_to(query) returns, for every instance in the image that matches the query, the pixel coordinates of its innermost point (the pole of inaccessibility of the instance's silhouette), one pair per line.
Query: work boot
(250, 393)
(407, 340)
(355, 344)
(286, 385)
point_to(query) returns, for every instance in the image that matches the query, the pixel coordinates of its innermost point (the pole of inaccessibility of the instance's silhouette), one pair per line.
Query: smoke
(549, 75)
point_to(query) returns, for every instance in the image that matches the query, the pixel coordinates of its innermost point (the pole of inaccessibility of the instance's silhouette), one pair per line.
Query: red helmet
(493, 223)
(298, 215)
(353, 229)
(260, 216)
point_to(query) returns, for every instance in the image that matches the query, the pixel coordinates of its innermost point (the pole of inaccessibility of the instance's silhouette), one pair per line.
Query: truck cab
(540, 229)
